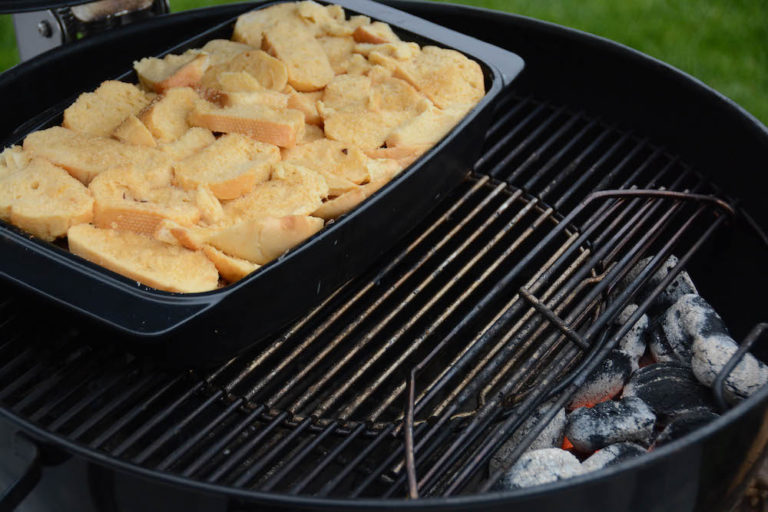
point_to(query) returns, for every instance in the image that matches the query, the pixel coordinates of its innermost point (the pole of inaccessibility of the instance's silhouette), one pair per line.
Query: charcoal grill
(396, 390)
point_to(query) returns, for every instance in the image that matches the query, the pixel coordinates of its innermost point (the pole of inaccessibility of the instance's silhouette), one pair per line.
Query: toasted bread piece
(230, 268)
(210, 208)
(403, 155)
(357, 65)
(101, 111)
(223, 50)
(331, 156)
(133, 131)
(427, 128)
(270, 72)
(365, 129)
(230, 167)
(307, 63)
(324, 19)
(445, 76)
(132, 200)
(382, 169)
(86, 156)
(238, 81)
(305, 102)
(293, 190)
(184, 70)
(396, 95)
(281, 128)
(272, 99)
(349, 200)
(338, 50)
(188, 144)
(13, 159)
(153, 263)
(249, 27)
(262, 240)
(311, 134)
(376, 33)
(347, 93)
(166, 117)
(44, 200)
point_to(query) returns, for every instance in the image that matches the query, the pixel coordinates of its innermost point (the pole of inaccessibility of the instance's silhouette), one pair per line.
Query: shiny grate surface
(484, 311)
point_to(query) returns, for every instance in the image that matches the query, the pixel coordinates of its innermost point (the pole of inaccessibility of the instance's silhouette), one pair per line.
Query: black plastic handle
(26, 451)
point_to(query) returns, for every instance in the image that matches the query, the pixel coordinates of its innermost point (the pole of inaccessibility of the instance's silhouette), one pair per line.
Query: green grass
(722, 42)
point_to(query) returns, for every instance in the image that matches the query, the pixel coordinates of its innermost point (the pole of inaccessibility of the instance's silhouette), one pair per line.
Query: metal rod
(410, 461)
(719, 385)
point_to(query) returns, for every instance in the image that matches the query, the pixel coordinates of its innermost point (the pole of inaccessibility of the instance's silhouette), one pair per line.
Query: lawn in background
(722, 42)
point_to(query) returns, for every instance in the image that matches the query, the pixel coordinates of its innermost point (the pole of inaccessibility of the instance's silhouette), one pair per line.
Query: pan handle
(28, 453)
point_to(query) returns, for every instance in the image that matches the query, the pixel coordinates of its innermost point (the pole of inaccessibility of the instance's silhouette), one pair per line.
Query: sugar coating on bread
(86, 156)
(279, 127)
(344, 160)
(171, 71)
(166, 117)
(376, 33)
(230, 268)
(230, 167)
(133, 131)
(188, 144)
(269, 72)
(44, 200)
(151, 262)
(101, 111)
(307, 64)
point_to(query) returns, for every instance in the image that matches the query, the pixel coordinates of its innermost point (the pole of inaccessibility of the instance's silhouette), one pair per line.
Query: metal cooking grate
(487, 309)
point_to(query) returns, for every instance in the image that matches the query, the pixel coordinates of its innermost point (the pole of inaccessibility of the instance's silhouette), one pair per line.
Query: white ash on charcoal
(684, 424)
(612, 455)
(605, 381)
(633, 342)
(628, 419)
(541, 467)
(680, 285)
(710, 355)
(550, 437)
(690, 316)
(669, 389)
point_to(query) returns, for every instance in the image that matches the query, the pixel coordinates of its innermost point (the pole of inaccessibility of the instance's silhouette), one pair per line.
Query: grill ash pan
(204, 328)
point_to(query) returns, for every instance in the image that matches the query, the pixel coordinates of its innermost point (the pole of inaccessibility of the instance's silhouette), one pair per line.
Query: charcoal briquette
(710, 355)
(615, 421)
(550, 437)
(680, 285)
(540, 467)
(605, 381)
(633, 342)
(684, 424)
(612, 455)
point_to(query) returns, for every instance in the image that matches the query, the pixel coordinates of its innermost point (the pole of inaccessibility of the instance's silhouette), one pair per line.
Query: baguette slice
(223, 50)
(272, 99)
(376, 33)
(338, 50)
(85, 157)
(262, 240)
(230, 167)
(249, 27)
(44, 200)
(403, 155)
(305, 102)
(13, 159)
(307, 64)
(184, 70)
(101, 111)
(238, 81)
(281, 128)
(230, 268)
(427, 128)
(268, 71)
(166, 118)
(153, 263)
(133, 131)
(188, 144)
(348, 200)
(333, 157)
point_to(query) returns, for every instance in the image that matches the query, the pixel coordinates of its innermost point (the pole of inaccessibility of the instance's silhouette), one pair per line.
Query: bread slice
(293, 190)
(153, 263)
(270, 72)
(210, 208)
(238, 81)
(364, 129)
(347, 93)
(349, 200)
(13, 159)
(444, 76)
(44, 200)
(230, 268)
(86, 156)
(166, 118)
(171, 71)
(403, 155)
(376, 33)
(272, 99)
(307, 64)
(221, 51)
(230, 167)
(133, 131)
(338, 50)
(132, 200)
(334, 157)
(188, 144)
(101, 111)
(249, 27)
(281, 128)
(262, 240)
(305, 102)
(427, 128)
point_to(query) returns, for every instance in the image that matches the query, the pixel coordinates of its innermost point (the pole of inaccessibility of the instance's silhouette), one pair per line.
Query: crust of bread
(403, 155)
(306, 102)
(272, 99)
(171, 71)
(268, 71)
(133, 131)
(44, 200)
(210, 208)
(153, 263)
(265, 124)
(262, 240)
(85, 157)
(376, 33)
(348, 200)
(230, 167)
(101, 111)
(166, 117)
(223, 50)
(307, 64)
(230, 268)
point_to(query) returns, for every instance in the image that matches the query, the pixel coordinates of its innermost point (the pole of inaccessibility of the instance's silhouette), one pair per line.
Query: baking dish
(206, 328)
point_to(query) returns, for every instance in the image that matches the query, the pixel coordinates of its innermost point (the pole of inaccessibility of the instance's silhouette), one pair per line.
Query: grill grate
(480, 315)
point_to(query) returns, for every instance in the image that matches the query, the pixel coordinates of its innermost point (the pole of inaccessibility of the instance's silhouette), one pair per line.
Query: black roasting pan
(204, 328)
